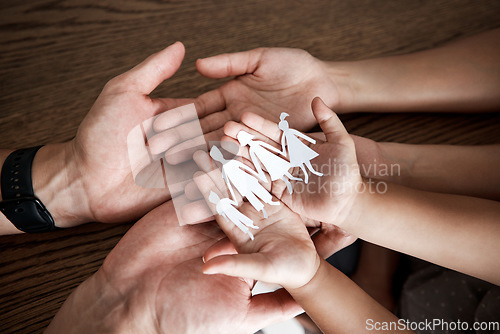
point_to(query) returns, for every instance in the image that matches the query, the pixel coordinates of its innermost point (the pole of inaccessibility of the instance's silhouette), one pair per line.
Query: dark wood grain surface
(56, 55)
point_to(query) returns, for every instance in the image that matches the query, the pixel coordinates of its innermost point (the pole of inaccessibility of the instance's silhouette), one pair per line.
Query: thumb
(273, 307)
(240, 265)
(328, 121)
(146, 76)
(230, 64)
(221, 247)
(331, 239)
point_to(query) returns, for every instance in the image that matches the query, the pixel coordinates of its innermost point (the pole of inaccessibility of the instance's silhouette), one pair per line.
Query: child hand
(329, 198)
(282, 251)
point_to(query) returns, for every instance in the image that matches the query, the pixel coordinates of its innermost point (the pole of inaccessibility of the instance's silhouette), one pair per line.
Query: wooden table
(57, 55)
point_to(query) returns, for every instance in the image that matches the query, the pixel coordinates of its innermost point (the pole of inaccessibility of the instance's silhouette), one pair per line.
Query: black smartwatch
(19, 203)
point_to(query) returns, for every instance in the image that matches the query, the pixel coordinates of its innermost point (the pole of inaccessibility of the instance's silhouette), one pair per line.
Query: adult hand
(98, 184)
(268, 81)
(152, 282)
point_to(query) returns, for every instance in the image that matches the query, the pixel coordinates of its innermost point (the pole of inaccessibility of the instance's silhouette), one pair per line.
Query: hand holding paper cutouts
(227, 208)
(244, 179)
(325, 198)
(284, 254)
(299, 154)
(261, 152)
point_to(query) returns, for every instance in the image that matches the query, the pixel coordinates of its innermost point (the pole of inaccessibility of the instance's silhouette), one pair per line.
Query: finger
(146, 76)
(196, 212)
(215, 181)
(230, 64)
(192, 192)
(233, 146)
(214, 121)
(203, 161)
(207, 188)
(260, 124)
(210, 102)
(221, 247)
(232, 129)
(273, 307)
(184, 151)
(163, 104)
(211, 182)
(175, 117)
(330, 239)
(252, 266)
(328, 121)
(162, 141)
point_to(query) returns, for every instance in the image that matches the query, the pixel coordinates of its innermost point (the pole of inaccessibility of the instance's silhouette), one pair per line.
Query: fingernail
(203, 259)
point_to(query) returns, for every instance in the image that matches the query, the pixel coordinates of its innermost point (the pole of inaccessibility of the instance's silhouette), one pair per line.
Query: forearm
(461, 170)
(338, 305)
(57, 184)
(454, 231)
(460, 76)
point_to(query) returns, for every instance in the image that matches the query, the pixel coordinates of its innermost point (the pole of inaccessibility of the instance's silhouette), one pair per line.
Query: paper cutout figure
(299, 154)
(237, 173)
(260, 153)
(227, 209)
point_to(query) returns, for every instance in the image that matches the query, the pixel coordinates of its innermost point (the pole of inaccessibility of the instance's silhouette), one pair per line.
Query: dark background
(55, 57)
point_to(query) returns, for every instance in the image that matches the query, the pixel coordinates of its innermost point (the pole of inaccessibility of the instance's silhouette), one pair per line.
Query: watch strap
(19, 203)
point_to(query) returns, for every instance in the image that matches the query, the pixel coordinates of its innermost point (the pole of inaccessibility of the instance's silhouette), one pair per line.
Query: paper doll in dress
(227, 208)
(299, 154)
(237, 173)
(260, 152)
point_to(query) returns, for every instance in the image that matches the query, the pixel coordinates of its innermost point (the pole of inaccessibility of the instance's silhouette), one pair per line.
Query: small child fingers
(221, 247)
(260, 124)
(253, 266)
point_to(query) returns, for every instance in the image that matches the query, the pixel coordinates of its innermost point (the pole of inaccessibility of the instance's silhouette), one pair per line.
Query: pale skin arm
(90, 178)
(321, 298)
(56, 184)
(453, 169)
(459, 76)
(454, 231)
(283, 253)
(462, 170)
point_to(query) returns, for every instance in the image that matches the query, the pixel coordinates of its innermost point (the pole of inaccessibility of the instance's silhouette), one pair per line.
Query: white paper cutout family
(246, 180)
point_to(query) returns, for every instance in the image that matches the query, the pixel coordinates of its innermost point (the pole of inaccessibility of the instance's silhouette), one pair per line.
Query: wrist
(354, 214)
(93, 307)
(314, 284)
(341, 76)
(308, 275)
(399, 160)
(58, 185)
